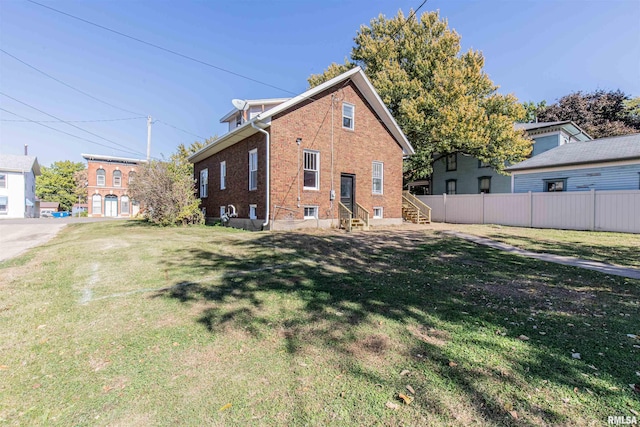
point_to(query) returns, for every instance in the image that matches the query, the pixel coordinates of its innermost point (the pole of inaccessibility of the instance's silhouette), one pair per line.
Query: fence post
(593, 209)
(530, 209)
(444, 203)
(482, 207)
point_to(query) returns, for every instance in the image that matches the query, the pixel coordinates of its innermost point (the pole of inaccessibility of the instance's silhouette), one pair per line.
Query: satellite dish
(240, 104)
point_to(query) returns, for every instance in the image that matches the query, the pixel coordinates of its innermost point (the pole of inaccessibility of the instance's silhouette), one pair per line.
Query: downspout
(266, 216)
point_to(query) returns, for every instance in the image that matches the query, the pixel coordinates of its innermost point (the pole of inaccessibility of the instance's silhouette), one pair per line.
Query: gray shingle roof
(13, 163)
(625, 147)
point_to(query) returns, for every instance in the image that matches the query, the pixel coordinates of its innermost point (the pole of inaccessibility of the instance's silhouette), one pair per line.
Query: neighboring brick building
(108, 180)
(334, 150)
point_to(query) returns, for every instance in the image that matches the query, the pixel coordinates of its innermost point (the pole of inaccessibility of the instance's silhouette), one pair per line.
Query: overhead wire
(64, 121)
(67, 133)
(75, 121)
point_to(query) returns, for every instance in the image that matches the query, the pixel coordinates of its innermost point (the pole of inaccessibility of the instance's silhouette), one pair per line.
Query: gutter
(266, 216)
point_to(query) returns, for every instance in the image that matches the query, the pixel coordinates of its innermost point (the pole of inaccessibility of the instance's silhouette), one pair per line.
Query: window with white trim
(348, 114)
(223, 175)
(555, 185)
(117, 178)
(223, 210)
(204, 183)
(310, 212)
(3, 180)
(377, 177)
(377, 212)
(96, 204)
(311, 170)
(252, 211)
(4, 204)
(253, 169)
(101, 177)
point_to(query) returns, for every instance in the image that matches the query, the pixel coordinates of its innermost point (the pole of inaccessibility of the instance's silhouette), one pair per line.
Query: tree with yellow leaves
(441, 98)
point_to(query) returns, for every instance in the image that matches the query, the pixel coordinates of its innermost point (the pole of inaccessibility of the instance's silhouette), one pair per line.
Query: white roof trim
(112, 158)
(263, 119)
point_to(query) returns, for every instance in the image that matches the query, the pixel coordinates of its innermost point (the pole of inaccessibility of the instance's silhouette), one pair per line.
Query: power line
(64, 121)
(75, 121)
(91, 96)
(69, 86)
(181, 130)
(173, 52)
(67, 133)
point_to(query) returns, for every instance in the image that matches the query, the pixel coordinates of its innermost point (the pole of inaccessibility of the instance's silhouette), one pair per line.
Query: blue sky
(537, 50)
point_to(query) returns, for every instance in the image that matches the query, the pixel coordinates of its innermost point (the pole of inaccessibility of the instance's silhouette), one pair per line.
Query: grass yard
(121, 323)
(613, 248)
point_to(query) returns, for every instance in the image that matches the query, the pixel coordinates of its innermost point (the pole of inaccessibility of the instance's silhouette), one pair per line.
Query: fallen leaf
(225, 407)
(3, 367)
(406, 399)
(589, 391)
(175, 344)
(106, 388)
(523, 338)
(391, 405)
(575, 389)
(566, 400)
(404, 372)
(36, 386)
(576, 355)
(514, 414)
(411, 390)
(453, 364)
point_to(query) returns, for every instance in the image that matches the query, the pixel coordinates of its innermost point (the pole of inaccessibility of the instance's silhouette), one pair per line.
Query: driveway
(18, 235)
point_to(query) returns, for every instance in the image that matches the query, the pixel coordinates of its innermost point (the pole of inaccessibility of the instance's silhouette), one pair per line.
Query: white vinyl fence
(578, 210)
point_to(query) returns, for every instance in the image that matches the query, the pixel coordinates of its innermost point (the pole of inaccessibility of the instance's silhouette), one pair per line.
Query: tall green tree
(166, 188)
(441, 98)
(600, 113)
(57, 183)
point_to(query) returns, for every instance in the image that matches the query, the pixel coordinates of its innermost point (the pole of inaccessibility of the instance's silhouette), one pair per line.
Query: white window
(117, 178)
(101, 177)
(3, 180)
(223, 175)
(310, 212)
(377, 176)
(377, 212)
(311, 170)
(96, 204)
(253, 169)
(204, 183)
(252, 212)
(348, 115)
(124, 204)
(132, 176)
(4, 203)
(223, 210)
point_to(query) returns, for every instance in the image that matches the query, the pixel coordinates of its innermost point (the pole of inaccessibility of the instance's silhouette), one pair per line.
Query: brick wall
(108, 189)
(353, 153)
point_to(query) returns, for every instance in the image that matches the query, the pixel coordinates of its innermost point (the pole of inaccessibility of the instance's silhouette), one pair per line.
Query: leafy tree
(599, 113)
(441, 98)
(532, 110)
(81, 182)
(57, 183)
(166, 188)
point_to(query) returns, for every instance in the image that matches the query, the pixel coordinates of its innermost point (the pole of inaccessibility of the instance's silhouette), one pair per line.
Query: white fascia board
(560, 168)
(112, 158)
(253, 103)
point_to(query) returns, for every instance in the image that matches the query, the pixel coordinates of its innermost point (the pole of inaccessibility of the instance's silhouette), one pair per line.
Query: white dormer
(236, 118)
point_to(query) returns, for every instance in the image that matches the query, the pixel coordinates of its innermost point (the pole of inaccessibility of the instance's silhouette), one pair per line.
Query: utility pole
(148, 138)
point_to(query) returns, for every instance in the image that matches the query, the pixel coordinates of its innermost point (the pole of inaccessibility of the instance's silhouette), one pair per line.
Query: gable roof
(567, 125)
(626, 147)
(263, 120)
(14, 163)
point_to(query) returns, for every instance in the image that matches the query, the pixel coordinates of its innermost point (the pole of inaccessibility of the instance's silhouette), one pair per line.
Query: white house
(18, 186)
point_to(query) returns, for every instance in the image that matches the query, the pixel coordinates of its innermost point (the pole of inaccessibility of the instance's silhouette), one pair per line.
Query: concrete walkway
(631, 273)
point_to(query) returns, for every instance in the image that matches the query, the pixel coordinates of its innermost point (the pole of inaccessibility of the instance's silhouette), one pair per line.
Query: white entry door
(111, 206)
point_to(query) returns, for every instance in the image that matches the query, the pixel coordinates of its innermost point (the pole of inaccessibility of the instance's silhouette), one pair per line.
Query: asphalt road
(19, 235)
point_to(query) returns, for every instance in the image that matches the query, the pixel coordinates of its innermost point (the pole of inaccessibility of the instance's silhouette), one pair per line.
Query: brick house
(331, 156)
(108, 180)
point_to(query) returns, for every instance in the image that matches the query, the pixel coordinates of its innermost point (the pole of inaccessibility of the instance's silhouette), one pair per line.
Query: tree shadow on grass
(344, 281)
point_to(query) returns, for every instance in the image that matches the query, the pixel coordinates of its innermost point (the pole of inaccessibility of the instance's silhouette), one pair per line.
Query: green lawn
(122, 323)
(613, 248)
